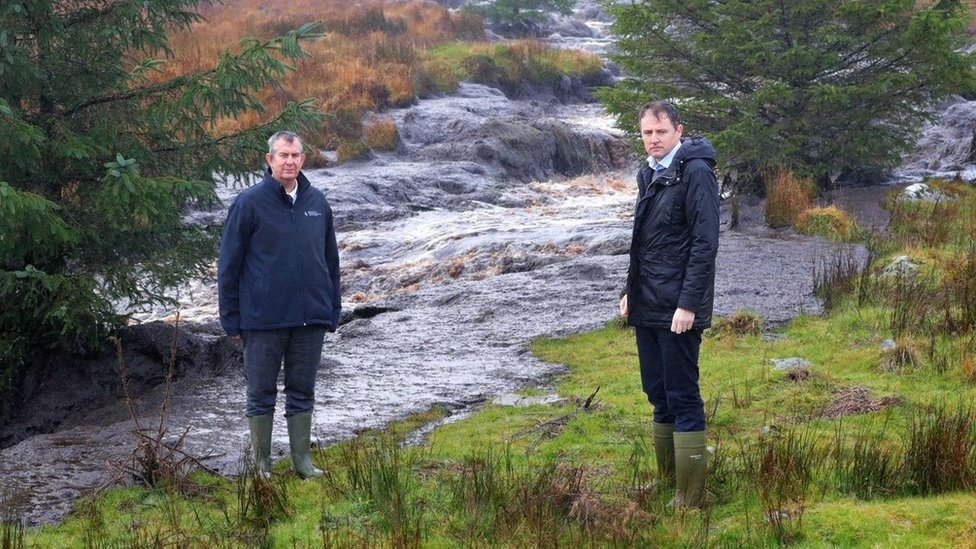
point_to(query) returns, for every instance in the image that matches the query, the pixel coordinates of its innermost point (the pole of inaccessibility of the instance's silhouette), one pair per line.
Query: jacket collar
(275, 186)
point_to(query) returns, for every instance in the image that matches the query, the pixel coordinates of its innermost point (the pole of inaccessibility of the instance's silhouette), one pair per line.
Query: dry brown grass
(787, 196)
(381, 134)
(372, 57)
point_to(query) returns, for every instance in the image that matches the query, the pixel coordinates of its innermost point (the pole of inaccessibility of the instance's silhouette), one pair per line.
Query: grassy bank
(527, 476)
(872, 444)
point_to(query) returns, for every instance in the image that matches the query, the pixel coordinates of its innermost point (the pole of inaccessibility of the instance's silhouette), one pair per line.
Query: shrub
(923, 223)
(830, 222)
(968, 368)
(434, 76)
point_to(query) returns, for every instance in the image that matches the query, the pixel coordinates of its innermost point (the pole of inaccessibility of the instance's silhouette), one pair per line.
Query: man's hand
(624, 311)
(682, 321)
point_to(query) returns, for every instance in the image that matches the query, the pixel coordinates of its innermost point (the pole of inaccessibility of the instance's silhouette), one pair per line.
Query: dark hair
(287, 136)
(659, 109)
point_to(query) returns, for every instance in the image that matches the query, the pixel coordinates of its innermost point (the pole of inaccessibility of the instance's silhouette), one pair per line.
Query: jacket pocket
(660, 285)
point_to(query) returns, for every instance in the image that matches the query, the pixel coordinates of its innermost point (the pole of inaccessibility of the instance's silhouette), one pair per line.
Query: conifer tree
(100, 154)
(821, 86)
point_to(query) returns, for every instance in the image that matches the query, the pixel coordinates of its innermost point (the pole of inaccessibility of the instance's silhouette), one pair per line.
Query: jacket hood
(692, 148)
(696, 147)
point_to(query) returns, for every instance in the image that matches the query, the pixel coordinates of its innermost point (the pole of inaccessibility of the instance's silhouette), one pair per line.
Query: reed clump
(787, 196)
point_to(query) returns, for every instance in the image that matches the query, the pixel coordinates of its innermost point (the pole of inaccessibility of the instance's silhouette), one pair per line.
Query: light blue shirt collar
(666, 161)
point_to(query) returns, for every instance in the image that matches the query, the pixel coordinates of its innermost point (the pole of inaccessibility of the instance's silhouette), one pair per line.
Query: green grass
(507, 64)
(475, 481)
(784, 472)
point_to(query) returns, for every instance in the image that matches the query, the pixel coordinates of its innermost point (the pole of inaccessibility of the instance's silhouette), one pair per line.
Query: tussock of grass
(829, 222)
(739, 323)
(787, 196)
(382, 135)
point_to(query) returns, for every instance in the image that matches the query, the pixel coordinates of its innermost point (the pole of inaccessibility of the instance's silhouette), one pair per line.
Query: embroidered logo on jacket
(313, 213)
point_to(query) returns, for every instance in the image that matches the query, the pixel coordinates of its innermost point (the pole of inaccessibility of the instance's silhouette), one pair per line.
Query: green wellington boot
(300, 444)
(691, 468)
(261, 442)
(664, 450)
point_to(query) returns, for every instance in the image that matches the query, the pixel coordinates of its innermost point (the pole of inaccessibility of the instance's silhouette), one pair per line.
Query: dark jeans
(264, 350)
(669, 376)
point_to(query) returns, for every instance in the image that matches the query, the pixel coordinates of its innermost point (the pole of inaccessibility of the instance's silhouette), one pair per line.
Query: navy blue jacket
(675, 241)
(279, 264)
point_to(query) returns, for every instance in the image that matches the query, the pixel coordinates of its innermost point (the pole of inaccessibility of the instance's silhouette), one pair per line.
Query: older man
(278, 281)
(670, 289)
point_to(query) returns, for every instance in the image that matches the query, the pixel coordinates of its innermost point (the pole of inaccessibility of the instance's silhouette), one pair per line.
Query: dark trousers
(669, 376)
(264, 351)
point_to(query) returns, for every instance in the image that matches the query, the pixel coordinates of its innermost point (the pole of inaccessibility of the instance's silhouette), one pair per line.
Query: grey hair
(289, 137)
(659, 109)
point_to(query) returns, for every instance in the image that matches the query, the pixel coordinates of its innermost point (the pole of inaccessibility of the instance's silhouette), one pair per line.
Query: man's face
(659, 135)
(286, 161)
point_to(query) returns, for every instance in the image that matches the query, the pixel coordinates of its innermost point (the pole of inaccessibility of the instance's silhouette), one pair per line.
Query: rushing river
(454, 266)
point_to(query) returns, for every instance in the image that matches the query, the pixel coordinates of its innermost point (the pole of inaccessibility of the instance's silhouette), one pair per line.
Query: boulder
(901, 266)
(790, 364)
(921, 192)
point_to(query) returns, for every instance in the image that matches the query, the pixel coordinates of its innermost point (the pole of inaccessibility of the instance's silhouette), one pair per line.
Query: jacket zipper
(301, 265)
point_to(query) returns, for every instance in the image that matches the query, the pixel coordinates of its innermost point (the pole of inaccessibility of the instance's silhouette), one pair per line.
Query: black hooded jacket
(675, 241)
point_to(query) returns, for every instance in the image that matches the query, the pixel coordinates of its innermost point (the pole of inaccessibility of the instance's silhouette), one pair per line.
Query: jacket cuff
(688, 304)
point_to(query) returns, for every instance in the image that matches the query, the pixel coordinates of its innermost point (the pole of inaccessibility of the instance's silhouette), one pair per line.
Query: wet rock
(946, 145)
(357, 328)
(860, 177)
(790, 364)
(921, 192)
(536, 151)
(571, 27)
(508, 139)
(519, 401)
(901, 266)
